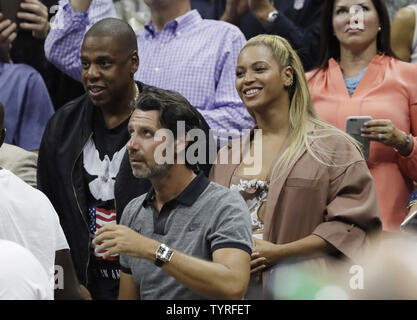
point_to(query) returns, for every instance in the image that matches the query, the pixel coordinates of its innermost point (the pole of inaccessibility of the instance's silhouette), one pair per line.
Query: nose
(130, 145)
(92, 72)
(133, 145)
(355, 14)
(249, 77)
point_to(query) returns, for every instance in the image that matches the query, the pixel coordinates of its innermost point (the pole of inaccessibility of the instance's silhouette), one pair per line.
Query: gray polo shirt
(205, 217)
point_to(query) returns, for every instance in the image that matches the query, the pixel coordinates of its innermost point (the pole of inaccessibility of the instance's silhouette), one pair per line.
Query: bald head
(117, 29)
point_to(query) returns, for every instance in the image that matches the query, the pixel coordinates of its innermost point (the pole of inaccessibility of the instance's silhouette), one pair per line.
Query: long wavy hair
(302, 116)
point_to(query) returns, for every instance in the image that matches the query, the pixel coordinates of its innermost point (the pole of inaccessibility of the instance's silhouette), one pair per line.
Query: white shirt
(29, 219)
(22, 277)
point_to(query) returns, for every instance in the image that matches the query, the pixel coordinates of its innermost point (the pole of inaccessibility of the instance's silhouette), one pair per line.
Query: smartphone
(410, 223)
(9, 9)
(353, 127)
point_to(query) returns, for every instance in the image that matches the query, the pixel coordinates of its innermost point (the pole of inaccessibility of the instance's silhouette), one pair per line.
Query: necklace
(132, 103)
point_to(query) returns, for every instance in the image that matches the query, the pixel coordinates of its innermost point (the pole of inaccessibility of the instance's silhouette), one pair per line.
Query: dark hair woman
(359, 75)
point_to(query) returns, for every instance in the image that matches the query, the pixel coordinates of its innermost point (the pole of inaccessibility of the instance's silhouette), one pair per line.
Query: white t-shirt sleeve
(22, 277)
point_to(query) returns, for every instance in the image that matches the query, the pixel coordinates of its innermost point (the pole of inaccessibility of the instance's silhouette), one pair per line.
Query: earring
(379, 29)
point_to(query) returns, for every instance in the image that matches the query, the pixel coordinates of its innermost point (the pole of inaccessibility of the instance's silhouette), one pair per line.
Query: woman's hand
(265, 254)
(384, 131)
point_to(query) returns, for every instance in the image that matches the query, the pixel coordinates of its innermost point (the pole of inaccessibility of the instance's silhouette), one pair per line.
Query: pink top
(388, 90)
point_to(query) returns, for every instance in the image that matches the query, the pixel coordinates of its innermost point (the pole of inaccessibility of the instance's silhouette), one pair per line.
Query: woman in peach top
(359, 76)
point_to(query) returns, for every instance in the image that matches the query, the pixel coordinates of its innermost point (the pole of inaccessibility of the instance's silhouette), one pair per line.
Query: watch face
(163, 253)
(161, 250)
(169, 254)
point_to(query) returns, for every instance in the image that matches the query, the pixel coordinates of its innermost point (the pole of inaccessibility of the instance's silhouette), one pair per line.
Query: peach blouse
(388, 90)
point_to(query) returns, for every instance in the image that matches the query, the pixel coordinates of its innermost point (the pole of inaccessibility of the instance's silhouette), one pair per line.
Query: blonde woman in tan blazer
(318, 195)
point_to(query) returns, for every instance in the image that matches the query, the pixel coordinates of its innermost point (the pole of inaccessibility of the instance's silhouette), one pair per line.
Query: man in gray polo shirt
(187, 238)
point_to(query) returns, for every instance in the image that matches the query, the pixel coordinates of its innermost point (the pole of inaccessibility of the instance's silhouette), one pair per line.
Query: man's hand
(7, 33)
(34, 18)
(234, 10)
(116, 239)
(261, 9)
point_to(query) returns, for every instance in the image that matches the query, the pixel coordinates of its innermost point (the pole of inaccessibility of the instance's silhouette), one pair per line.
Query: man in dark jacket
(82, 155)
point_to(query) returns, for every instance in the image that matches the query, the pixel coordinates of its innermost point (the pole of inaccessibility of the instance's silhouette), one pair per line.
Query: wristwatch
(272, 16)
(163, 254)
(406, 143)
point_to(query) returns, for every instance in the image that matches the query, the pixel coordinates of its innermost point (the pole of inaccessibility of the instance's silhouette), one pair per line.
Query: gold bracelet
(411, 203)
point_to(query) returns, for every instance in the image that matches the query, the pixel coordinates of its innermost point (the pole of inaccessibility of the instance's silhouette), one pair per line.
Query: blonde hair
(302, 116)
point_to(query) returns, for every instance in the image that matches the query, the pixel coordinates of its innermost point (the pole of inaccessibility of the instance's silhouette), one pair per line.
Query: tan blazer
(22, 163)
(336, 203)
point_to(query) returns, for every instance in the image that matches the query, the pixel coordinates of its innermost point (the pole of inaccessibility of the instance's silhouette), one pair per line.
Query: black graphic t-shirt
(102, 156)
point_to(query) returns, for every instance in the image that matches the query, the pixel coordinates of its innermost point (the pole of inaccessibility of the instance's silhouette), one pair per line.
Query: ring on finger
(380, 136)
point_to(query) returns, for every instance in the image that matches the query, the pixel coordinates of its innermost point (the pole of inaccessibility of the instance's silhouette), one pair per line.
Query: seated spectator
(298, 21)
(178, 49)
(187, 237)
(404, 34)
(22, 276)
(312, 199)
(85, 140)
(359, 76)
(40, 233)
